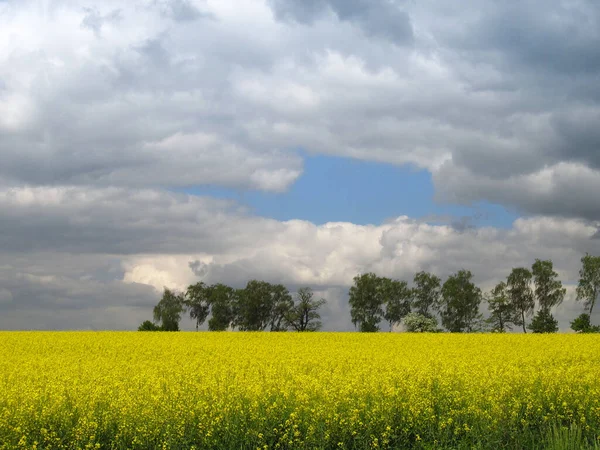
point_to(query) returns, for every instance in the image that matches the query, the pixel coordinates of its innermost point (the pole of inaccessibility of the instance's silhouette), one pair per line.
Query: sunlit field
(298, 390)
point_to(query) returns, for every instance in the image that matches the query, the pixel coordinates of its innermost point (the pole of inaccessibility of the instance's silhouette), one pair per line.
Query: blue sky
(339, 189)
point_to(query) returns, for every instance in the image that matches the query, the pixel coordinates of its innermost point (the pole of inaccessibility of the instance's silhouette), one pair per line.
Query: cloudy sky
(153, 143)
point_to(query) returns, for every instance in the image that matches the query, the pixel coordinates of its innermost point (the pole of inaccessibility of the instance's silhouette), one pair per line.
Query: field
(298, 390)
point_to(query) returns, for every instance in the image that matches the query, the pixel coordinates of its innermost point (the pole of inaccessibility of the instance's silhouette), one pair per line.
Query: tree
(304, 316)
(149, 326)
(197, 303)
(220, 298)
(589, 281)
(426, 292)
(459, 306)
(168, 311)
(502, 310)
(415, 322)
(282, 305)
(582, 324)
(548, 288)
(396, 296)
(520, 294)
(543, 322)
(366, 302)
(253, 306)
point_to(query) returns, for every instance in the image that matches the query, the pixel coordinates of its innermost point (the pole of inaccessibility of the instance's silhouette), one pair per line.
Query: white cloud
(181, 93)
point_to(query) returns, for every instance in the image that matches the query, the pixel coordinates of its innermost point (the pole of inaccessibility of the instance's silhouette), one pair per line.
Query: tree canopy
(459, 305)
(169, 309)
(366, 302)
(589, 281)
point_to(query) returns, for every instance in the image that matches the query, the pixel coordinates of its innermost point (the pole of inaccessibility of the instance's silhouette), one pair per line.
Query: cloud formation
(120, 254)
(181, 93)
(105, 107)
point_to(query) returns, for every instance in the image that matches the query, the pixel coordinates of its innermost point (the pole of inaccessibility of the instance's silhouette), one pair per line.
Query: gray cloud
(166, 101)
(381, 18)
(64, 291)
(559, 37)
(184, 10)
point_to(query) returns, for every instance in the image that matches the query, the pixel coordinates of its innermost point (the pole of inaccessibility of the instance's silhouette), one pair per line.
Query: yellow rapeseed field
(296, 390)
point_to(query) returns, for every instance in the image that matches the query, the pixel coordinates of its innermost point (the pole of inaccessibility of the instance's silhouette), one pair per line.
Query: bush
(543, 322)
(149, 326)
(582, 324)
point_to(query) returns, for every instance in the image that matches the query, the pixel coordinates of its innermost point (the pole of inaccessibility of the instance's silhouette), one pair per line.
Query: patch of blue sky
(338, 189)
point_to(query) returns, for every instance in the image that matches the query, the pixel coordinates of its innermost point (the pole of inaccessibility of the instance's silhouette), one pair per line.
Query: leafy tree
(426, 292)
(548, 293)
(543, 322)
(396, 296)
(520, 294)
(459, 306)
(303, 316)
(236, 307)
(589, 281)
(197, 302)
(168, 311)
(221, 298)
(502, 311)
(415, 322)
(149, 326)
(254, 306)
(582, 324)
(282, 305)
(366, 302)
(548, 288)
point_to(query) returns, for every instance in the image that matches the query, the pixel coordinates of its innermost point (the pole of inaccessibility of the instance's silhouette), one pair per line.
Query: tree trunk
(523, 317)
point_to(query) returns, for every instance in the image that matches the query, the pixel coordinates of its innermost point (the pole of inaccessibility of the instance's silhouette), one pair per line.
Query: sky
(158, 143)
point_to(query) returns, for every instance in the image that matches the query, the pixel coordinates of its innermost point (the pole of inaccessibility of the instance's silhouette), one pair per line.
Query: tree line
(525, 300)
(260, 306)
(457, 301)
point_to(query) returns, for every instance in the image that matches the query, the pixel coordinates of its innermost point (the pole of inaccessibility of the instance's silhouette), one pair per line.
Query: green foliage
(503, 314)
(520, 294)
(426, 293)
(304, 316)
(169, 310)
(460, 300)
(543, 322)
(396, 296)
(568, 438)
(197, 302)
(589, 281)
(419, 323)
(282, 305)
(147, 325)
(582, 324)
(254, 305)
(261, 305)
(366, 302)
(221, 299)
(548, 288)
